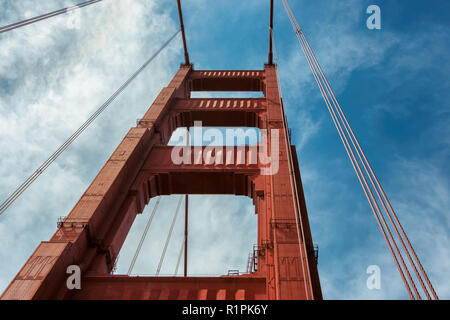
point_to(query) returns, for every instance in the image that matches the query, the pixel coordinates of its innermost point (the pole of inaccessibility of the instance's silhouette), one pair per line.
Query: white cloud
(55, 78)
(59, 78)
(222, 231)
(339, 214)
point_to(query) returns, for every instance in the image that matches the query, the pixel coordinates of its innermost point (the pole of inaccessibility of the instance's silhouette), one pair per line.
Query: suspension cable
(376, 185)
(45, 16)
(75, 135)
(270, 58)
(350, 153)
(183, 35)
(144, 235)
(179, 257)
(186, 225)
(353, 138)
(169, 235)
(345, 131)
(356, 167)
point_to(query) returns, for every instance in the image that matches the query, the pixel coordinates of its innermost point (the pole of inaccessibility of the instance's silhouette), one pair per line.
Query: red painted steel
(92, 235)
(270, 59)
(180, 14)
(171, 288)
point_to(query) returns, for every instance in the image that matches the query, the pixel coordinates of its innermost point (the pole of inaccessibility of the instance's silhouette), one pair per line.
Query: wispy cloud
(341, 221)
(52, 78)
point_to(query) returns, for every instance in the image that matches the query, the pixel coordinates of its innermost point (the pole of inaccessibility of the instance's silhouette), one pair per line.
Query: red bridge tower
(92, 235)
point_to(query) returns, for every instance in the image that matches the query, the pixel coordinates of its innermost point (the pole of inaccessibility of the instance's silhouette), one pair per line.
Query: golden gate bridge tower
(141, 168)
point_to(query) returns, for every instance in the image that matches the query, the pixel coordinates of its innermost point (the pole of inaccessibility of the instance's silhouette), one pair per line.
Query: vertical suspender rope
(179, 258)
(144, 235)
(376, 185)
(270, 59)
(163, 254)
(186, 233)
(183, 35)
(186, 216)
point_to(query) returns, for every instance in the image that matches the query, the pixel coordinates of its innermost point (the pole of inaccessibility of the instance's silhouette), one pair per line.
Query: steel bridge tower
(141, 168)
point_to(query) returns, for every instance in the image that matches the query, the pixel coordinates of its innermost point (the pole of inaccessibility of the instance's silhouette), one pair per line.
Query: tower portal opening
(222, 233)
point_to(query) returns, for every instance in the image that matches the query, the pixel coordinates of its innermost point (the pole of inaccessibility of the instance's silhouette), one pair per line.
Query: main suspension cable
(350, 153)
(75, 135)
(45, 16)
(169, 235)
(356, 167)
(346, 133)
(144, 235)
(376, 185)
(371, 174)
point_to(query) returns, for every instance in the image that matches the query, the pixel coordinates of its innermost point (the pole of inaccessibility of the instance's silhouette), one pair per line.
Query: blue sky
(392, 83)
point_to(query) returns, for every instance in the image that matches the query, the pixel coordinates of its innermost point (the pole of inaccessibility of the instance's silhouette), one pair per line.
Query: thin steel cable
(361, 180)
(353, 160)
(144, 235)
(371, 174)
(183, 34)
(366, 165)
(368, 169)
(169, 235)
(376, 184)
(377, 208)
(349, 151)
(75, 135)
(179, 258)
(45, 16)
